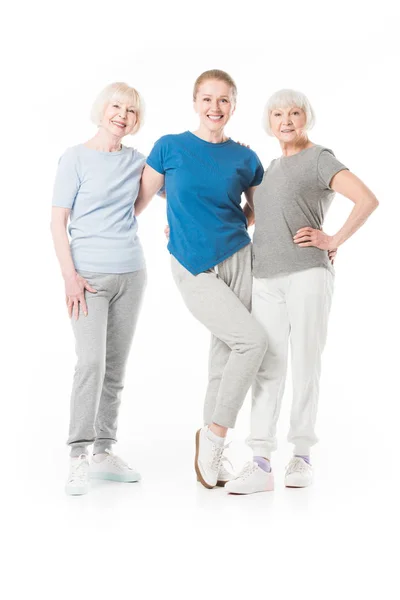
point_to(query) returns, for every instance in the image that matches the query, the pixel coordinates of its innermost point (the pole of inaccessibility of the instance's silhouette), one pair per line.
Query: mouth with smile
(119, 124)
(287, 130)
(215, 118)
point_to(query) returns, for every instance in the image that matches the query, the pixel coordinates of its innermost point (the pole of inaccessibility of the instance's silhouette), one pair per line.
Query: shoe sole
(76, 492)
(218, 484)
(112, 477)
(196, 466)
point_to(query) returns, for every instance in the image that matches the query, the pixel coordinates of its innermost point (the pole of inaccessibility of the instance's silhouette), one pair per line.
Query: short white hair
(285, 99)
(120, 92)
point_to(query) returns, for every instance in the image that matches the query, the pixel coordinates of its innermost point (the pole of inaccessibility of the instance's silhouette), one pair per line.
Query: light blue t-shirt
(101, 188)
(204, 183)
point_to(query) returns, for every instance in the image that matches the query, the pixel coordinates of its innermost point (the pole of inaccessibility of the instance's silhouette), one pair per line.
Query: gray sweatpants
(103, 340)
(220, 298)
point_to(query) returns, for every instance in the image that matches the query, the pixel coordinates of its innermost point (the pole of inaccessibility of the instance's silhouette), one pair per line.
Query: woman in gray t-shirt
(103, 266)
(293, 282)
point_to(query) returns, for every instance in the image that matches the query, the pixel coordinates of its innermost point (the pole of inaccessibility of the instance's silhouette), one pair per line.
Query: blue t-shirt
(101, 188)
(204, 183)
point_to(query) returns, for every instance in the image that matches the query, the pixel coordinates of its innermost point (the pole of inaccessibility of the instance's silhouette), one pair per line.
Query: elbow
(373, 202)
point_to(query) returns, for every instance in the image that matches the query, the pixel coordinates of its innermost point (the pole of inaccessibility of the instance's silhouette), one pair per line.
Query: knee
(260, 341)
(92, 364)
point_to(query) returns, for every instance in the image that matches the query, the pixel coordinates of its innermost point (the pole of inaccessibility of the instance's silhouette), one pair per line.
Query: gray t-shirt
(101, 188)
(294, 193)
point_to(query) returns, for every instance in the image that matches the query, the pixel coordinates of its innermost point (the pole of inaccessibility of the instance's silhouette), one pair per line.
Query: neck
(290, 148)
(104, 141)
(215, 137)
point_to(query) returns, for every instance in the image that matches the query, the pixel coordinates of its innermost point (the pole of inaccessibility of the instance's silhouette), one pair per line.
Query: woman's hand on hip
(166, 231)
(332, 255)
(307, 236)
(75, 287)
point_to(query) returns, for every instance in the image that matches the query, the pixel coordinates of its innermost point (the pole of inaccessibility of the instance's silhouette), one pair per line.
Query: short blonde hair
(285, 99)
(121, 92)
(219, 76)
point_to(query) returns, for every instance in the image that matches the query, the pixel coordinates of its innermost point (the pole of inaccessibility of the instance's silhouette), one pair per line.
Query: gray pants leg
(236, 272)
(103, 341)
(212, 301)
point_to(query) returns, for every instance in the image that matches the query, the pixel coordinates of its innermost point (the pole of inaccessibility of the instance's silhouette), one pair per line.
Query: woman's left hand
(307, 236)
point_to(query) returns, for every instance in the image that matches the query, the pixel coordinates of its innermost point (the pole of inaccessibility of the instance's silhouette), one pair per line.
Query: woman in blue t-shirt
(104, 272)
(204, 174)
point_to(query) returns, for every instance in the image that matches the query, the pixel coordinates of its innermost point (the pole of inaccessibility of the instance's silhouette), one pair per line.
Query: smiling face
(119, 118)
(288, 124)
(214, 104)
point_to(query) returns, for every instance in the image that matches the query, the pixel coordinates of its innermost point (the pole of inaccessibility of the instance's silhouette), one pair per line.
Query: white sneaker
(250, 480)
(208, 459)
(298, 473)
(225, 475)
(78, 478)
(111, 467)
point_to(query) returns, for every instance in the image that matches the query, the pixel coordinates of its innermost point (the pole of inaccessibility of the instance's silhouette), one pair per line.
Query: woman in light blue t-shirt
(204, 174)
(104, 272)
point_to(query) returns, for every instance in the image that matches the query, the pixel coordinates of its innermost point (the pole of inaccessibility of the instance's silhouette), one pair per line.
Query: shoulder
(322, 150)
(246, 153)
(170, 139)
(136, 155)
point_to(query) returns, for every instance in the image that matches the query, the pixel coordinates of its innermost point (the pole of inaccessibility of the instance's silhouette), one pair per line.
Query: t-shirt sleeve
(328, 166)
(156, 158)
(67, 181)
(258, 172)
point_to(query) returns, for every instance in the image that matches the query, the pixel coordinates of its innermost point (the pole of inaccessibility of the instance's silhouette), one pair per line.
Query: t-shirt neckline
(218, 144)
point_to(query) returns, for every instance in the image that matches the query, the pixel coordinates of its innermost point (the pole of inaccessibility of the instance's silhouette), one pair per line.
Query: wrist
(69, 275)
(334, 242)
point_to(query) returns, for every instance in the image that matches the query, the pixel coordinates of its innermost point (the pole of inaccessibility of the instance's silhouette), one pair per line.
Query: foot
(111, 467)
(208, 459)
(250, 480)
(78, 478)
(224, 474)
(298, 473)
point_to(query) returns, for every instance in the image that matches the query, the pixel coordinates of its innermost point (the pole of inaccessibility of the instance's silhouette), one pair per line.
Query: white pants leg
(269, 309)
(297, 305)
(309, 301)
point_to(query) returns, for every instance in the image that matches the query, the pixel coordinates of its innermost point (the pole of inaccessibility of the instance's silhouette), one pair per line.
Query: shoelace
(248, 469)
(296, 465)
(216, 457)
(225, 460)
(79, 470)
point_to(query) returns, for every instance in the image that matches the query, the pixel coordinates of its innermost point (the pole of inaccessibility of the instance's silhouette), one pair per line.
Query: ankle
(218, 430)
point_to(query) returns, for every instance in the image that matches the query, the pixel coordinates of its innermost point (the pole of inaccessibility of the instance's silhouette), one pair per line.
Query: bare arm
(347, 184)
(74, 283)
(150, 184)
(249, 206)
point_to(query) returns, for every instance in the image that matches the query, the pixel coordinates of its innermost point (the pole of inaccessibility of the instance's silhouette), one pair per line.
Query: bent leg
(215, 305)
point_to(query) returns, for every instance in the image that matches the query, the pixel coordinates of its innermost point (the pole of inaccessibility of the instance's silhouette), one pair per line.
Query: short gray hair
(285, 99)
(121, 92)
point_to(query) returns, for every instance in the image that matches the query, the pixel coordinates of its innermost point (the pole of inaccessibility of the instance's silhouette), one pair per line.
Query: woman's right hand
(75, 287)
(166, 231)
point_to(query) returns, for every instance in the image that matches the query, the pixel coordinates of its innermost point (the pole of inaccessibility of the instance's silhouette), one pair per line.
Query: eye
(224, 100)
(132, 110)
(207, 99)
(296, 112)
(115, 105)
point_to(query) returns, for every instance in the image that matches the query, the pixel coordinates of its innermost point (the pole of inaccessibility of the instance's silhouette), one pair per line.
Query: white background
(168, 536)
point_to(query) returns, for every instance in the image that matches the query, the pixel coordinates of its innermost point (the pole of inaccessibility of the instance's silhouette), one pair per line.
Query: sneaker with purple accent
(250, 480)
(298, 474)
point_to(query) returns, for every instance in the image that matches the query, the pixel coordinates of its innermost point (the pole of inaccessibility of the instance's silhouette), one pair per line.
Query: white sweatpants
(294, 306)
